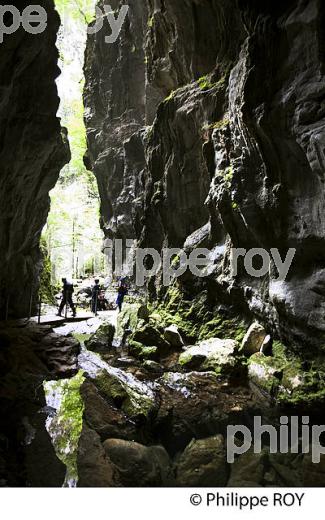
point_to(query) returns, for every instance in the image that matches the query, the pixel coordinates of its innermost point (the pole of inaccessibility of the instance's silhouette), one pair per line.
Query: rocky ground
(128, 400)
(29, 355)
(156, 409)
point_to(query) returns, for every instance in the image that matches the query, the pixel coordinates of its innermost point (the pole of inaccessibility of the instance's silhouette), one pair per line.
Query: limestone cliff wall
(33, 150)
(205, 125)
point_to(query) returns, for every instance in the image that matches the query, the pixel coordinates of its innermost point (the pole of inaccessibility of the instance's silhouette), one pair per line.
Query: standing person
(94, 297)
(67, 292)
(121, 293)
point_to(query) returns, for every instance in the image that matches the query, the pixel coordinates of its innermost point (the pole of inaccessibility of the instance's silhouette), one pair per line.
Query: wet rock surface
(203, 463)
(29, 355)
(138, 465)
(33, 149)
(223, 163)
(196, 154)
(163, 426)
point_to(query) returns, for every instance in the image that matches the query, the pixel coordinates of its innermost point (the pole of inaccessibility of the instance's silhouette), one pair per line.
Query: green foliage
(73, 235)
(78, 10)
(47, 290)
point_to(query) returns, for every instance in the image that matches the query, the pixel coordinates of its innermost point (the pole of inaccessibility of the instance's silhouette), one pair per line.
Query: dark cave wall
(234, 96)
(33, 149)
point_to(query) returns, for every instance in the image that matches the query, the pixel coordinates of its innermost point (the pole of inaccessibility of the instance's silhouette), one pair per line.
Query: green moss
(205, 83)
(131, 397)
(223, 123)
(128, 318)
(150, 22)
(286, 377)
(142, 352)
(224, 328)
(195, 320)
(66, 428)
(218, 125)
(81, 337)
(170, 97)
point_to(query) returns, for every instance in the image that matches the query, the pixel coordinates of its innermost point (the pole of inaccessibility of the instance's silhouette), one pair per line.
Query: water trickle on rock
(65, 425)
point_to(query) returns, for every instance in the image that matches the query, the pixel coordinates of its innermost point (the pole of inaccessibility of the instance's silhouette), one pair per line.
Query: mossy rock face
(150, 336)
(264, 374)
(195, 320)
(142, 352)
(213, 354)
(221, 327)
(132, 316)
(102, 339)
(135, 398)
(287, 378)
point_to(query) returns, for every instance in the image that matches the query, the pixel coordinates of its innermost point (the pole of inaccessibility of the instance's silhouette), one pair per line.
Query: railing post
(30, 304)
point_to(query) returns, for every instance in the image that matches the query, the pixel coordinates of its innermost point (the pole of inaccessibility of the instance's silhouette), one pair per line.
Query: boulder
(253, 339)
(138, 465)
(153, 367)
(266, 347)
(142, 352)
(150, 336)
(132, 316)
(95, 469)
(313, 473)
(172, 335)
(101, 416)
(197, 404)
(102, 339)
(263, 373)
(203, 463)
(212, 354)
(249, 469)
(135, 398)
